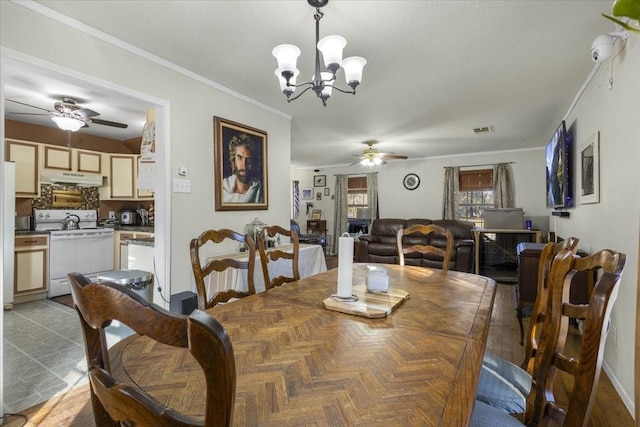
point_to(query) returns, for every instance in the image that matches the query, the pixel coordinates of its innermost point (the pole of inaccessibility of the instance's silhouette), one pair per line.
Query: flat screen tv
(557, 160)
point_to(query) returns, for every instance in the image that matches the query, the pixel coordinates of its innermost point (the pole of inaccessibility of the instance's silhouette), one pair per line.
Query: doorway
(11, 60)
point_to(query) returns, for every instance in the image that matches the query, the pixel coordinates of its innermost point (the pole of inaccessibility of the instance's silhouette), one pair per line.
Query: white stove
(87, 250)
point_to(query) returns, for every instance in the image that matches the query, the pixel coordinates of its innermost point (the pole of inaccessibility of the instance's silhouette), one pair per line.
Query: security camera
(602, 47)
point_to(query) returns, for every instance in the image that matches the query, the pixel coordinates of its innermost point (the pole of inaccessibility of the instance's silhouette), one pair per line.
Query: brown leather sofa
(379, 246)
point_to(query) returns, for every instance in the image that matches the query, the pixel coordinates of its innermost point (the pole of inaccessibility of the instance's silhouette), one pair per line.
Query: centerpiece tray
(369, 304)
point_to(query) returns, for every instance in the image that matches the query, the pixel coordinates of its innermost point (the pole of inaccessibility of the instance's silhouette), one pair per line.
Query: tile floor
(43, 353)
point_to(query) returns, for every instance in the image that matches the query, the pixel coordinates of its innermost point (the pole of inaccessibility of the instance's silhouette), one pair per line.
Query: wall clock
(411, 181)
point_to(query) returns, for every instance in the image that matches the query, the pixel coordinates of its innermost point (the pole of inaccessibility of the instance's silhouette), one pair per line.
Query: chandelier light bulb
(331, 48)
(287, 56)
(283, 82)
(353, 67)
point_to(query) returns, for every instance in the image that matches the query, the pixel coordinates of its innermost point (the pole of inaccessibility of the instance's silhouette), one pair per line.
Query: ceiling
(436, 69)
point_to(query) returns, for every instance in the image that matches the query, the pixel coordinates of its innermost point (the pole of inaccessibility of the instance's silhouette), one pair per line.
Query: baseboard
(628, 401)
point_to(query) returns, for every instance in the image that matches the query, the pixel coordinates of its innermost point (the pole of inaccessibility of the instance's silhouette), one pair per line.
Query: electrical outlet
(182, 186)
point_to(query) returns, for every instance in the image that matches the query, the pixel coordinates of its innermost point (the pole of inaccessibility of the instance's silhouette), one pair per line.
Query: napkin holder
(377, 279)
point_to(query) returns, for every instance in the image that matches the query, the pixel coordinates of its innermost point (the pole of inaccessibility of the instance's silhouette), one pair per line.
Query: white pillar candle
(345, 266)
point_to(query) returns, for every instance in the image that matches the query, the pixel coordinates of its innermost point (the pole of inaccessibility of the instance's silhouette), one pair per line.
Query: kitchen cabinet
(56, 157)
(87, 161)
(25, 156)
(120, 177)
(121, 255)
(121, 171)
(31, 256)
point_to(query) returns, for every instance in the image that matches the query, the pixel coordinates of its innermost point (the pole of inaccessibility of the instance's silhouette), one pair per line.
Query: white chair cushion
(517, 376)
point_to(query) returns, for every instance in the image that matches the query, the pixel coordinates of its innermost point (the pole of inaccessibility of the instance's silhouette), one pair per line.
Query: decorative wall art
(589, 177)
(319, 180)
(307, 194)
(240, 172)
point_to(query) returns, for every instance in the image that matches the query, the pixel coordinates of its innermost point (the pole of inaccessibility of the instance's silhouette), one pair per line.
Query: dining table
(299, 363)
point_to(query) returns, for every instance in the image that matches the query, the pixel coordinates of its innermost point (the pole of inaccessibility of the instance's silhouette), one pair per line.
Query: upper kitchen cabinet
(25, 156)
(120, 177)
(121, 171)
(87, 161)
(56, 157)
(71, 159)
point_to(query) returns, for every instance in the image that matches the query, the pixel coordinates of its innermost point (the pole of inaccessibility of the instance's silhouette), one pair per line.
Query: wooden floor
(74, 408)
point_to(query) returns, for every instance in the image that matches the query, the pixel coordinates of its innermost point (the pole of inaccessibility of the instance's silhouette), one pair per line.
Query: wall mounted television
(558, 170)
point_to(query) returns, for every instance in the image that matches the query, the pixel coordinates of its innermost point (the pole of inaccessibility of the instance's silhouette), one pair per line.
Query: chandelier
(322, 81)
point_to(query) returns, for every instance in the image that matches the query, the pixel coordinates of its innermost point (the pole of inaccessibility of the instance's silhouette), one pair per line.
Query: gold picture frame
(238, 146)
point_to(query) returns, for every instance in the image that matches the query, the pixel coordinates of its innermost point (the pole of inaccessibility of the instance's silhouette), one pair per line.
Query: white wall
(613, 223)
(192, 107)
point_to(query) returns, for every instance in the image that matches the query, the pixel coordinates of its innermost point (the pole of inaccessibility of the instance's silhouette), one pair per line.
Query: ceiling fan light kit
(68, 123)
(321, 83)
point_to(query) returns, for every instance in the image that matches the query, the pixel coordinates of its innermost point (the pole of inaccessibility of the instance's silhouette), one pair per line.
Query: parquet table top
(300, 364)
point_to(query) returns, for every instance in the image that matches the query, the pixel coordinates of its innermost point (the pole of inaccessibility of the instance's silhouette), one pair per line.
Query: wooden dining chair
(425, 249)
(272, 255)
(115, 402)
(503, 383)
(550, 356)
(201, 272)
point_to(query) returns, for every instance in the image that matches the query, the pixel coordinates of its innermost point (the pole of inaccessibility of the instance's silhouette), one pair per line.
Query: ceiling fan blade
(108, 123)
(392, 156)
(32, 114)
(32, 106)
(86, 113)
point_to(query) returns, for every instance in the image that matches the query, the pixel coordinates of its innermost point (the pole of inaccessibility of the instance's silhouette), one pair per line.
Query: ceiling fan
(68, 115)
(371, 157)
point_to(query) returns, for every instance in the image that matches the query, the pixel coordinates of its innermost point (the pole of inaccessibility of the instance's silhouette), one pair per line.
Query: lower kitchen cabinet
(31, 259)
(121, 255)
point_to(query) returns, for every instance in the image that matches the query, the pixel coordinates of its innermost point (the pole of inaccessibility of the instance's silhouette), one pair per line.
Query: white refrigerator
(8, 231)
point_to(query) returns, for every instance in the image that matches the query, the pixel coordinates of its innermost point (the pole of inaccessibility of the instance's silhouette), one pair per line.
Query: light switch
(182, 186)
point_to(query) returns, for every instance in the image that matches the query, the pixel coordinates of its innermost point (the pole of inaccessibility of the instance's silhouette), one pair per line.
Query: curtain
(340, 223)
(372, 196)
(450, 199)
(502, 186)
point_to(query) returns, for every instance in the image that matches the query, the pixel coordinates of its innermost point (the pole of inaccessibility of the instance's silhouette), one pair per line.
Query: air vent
(484, 129)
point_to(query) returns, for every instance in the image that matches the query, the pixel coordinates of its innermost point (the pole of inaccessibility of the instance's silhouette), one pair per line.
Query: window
(476, 194)
(356, 195)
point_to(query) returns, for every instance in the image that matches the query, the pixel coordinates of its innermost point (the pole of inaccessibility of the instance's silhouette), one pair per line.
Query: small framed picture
(316, 214)
(318, 196)
(326, 191)
(307, 194)
(590, 170)
(319, 180)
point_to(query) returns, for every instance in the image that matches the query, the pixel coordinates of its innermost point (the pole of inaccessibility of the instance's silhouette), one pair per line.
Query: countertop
(145, 241)
(133, 228)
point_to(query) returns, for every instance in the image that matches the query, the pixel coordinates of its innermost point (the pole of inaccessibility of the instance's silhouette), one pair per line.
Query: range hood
(81, 179)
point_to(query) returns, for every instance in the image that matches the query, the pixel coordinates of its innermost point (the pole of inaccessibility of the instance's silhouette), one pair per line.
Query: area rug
(64, 300)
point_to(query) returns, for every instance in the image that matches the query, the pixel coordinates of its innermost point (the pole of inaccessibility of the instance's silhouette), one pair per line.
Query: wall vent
(484, 129)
